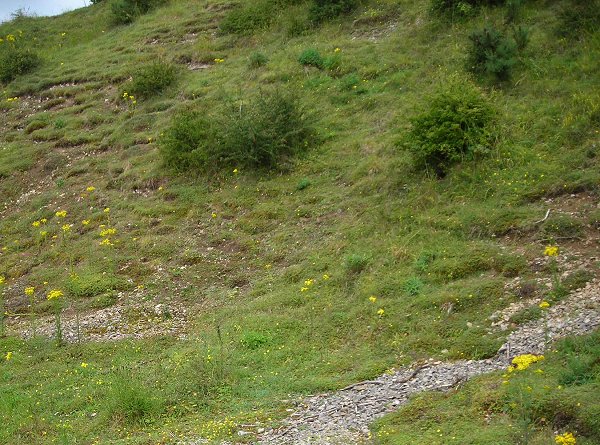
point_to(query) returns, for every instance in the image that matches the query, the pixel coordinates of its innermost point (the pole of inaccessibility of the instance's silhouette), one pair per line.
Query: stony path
(343, 417)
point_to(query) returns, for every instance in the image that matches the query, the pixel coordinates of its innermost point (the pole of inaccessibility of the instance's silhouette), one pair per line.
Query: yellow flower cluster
(8, 356)
(54, 294)
(544, 305)
(130, 98)
(2, 280)
(522, 362)
(108, 232)
(219, 60)
(61, 214)
(565, 439)
(29, 290)
(551, 251)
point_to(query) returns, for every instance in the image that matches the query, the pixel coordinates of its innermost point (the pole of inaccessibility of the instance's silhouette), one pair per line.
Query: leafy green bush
(492, 53)
(264, 133)
(311, 57)
(124, 12)
(16, 60)
(454, 127)
(321, 10)
(152, 79)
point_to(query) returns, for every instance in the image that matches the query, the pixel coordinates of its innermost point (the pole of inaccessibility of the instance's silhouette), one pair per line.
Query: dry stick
(544, 218)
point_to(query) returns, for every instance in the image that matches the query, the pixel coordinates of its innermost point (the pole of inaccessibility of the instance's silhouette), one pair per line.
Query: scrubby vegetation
(298, 196)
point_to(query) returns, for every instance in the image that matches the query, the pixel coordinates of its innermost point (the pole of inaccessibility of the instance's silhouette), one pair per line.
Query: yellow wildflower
(107, 210)
(381, 312)
(544, 305)
(61, 213)
(8, 355)
(235, 171)
(43, 220)
(337, 50)
(43, 233)
(106, 242)
(84, 365)
(309, 282)
(85, 222)
(522, 362)
(108, 232)
(304, 289)
(326, 277)
(29, 290)
(36, 223)
(66, 228)
(90, 189)
(372, 298)
(565, 439)
(2, 280)
(551, 251)
(214, 215)
(54, 294)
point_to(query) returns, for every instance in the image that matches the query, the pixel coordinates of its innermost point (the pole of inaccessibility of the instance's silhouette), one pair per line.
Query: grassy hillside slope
(275, 268)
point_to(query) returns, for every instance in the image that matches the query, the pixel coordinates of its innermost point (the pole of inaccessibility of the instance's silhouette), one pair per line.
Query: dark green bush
(491, 53)
(124, 12)
(579, 17)
(321, 10)
(454, 127)
(312, 57)
(152, 79)
(264, 133)
(460, 8)
(15, 61)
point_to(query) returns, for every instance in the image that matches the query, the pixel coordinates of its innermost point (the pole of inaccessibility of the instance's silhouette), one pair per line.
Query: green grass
(352, 213)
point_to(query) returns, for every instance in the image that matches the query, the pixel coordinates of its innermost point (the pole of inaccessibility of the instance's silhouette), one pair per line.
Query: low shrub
(460, 8)
(311, 57)
(491, 53)
(322, 10)
(356, 263)
(16, 61)
(257, 60)
(252, 16)
(131, 402)
(454, 127)
(579, 17)
(124, 12)
(152, 79)
(264, 133)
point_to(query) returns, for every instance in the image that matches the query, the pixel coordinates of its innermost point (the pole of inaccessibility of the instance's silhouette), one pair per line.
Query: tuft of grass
(152, 79)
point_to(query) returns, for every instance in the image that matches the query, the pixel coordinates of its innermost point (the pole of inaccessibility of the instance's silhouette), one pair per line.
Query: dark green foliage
(152, 79)
(311, 57)
(521, 37)
(124, 12)
(454, 127)
(264, 133)
(16, 61)
(257, 60)
(412, 286)
(491, 53)
(322, 10)
(579, 17)
(460, 8)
